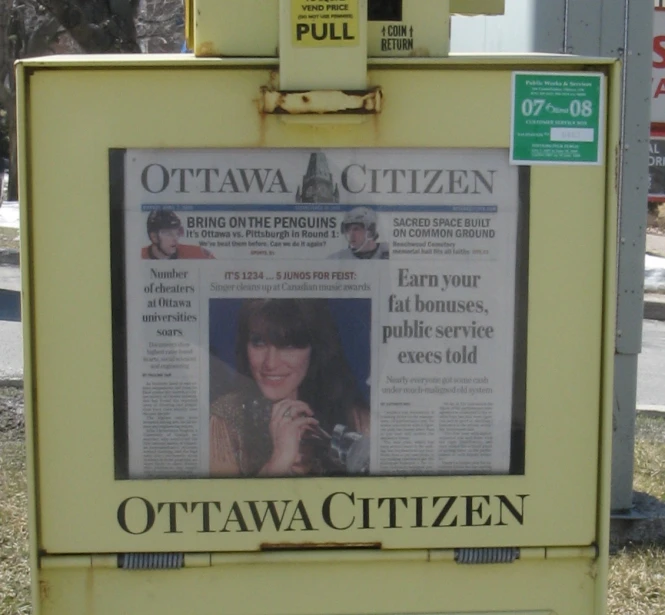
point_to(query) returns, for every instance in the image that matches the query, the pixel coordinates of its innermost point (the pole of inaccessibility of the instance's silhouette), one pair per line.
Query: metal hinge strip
(170, 561)
(498, 555)
(151, 561)
(492, 555)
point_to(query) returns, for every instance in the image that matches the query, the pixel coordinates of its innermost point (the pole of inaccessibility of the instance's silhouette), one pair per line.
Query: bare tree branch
(42, 27)
(98, 26)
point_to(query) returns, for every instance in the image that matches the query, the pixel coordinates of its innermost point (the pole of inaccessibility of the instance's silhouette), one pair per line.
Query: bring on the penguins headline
(229, 230)
(218, 230)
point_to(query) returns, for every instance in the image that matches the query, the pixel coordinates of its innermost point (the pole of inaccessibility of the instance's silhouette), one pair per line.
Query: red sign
(658, 68)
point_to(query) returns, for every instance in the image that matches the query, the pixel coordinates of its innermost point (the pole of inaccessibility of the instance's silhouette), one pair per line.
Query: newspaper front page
(318, 312)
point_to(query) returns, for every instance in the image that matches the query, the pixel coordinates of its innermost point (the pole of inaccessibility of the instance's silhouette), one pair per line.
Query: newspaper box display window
(366, 350)
(319, 313)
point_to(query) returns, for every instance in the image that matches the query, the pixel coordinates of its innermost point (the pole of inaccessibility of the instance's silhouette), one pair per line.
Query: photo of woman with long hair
(293, 394)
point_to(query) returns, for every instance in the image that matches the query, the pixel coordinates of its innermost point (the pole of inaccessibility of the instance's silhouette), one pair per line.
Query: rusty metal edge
(275, 102)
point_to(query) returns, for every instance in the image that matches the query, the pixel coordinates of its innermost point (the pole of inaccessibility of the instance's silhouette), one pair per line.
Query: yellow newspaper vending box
(331, 349)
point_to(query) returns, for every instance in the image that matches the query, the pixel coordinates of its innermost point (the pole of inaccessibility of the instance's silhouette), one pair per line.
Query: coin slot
(384, 10)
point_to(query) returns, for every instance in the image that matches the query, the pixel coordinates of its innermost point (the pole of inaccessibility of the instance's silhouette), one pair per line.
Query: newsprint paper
(318, 312)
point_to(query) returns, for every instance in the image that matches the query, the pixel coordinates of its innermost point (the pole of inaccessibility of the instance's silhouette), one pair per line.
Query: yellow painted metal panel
(478, 7)
(426, 31)
(342, 48)
(189, 23)
(29, 385)
(563, 587)
(236, 27)
(558, 269)
(185, 107)
(511, 61)
(614, 135)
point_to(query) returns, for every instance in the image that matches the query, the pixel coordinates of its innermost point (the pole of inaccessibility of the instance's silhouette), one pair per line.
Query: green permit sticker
(557, 118)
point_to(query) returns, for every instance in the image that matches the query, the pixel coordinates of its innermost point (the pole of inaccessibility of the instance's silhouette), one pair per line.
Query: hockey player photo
(359, 227)
(164, 231)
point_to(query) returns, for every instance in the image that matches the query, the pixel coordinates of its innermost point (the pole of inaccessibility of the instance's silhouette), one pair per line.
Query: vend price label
(325, 23)
(557, 118)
